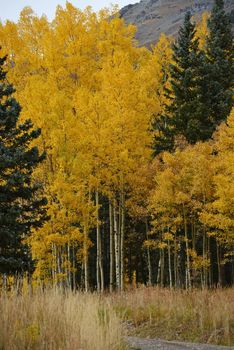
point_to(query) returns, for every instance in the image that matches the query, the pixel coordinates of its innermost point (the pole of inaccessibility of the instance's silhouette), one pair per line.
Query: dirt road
(154, 344)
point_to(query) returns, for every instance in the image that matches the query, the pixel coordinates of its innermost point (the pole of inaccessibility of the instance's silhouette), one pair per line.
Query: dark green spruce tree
(219, 67)
(186, 115)
(22, 206)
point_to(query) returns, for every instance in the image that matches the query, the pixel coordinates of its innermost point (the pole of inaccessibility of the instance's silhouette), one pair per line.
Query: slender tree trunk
(68, 266)
(162, 268)
(169, 262)
(54, 263)
(86, 270)
(98, 244)
(4, 282)
(116, 235)
(204, 255)
(159, 266)
(111, 246)
(176, 272)
(193, 228)
(188, 283)
(63, 271)
(99, 271)
(59, 256)
(73, 268)
(210, 266)
(219, 265)
(148, 255)
(122, 209)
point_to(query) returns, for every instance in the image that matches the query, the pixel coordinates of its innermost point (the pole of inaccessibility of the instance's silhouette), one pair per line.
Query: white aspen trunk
(162, 268)
(63, 269)
(98, 244)
(148, 255)
(100, 273)
(86, 277)
(56, 265)
(169, 262)
(204, 254)
(116, 236)
(73, 268)
(210, 266)
(122, 210)
(159, 267)
(53, 267)
(219, 264)
(188, 280)
(111, 246)
(69, 265)
(4, 283)
(175, 263)
(59, 266)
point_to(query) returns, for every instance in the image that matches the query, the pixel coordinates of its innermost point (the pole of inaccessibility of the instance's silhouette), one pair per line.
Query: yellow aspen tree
(218, 215)
(202, 30)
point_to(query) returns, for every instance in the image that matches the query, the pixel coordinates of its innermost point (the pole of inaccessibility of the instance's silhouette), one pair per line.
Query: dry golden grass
(57, 321)
(53, 320)
(197, 315)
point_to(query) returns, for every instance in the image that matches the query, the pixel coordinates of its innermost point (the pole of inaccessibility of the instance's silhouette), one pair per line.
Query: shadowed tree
(21, 206)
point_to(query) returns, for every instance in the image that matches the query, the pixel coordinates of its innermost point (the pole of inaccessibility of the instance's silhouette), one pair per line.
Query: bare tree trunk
(169, 263)
(116, 236)
(86, 271)
(111, 246)
(176, 272)
(219, 265)
(122, 209)
(98, 244)
(210, 267)
(59, 267)
(188, 279)
(4, 282)
(148, 255)
(100, 274)
(204, 255)
(159, 267)
(53, 267)
(68, 266)
(162, 268)
(73, 268)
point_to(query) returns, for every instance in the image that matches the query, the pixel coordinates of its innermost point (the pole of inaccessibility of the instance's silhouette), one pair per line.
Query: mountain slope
(153, 17)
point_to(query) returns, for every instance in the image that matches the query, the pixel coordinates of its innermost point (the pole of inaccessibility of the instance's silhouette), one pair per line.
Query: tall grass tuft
(56, 321)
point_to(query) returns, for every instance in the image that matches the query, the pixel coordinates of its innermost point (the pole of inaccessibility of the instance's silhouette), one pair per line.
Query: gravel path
(155, 344)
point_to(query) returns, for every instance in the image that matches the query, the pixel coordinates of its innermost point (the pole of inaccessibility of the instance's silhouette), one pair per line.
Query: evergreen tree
(21, 206)
(186, 114)
(219, 68)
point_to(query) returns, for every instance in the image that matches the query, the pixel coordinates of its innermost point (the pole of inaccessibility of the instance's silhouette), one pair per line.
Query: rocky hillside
(155, 16)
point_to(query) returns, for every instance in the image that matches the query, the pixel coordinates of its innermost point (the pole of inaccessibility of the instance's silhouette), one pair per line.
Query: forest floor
(136, 343)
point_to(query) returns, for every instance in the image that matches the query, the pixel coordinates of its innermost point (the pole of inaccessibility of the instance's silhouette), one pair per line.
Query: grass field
(57, 321)
(75, 321)
(205, 316)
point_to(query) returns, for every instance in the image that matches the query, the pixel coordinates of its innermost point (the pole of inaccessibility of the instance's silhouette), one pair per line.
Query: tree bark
(188, 275)
(169, 262)
(148, 255)
(111, 246)
(122, 209)
(99, 271)
(116, 236)
(86, 273)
